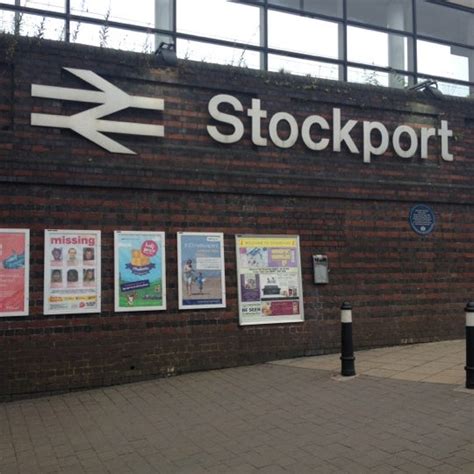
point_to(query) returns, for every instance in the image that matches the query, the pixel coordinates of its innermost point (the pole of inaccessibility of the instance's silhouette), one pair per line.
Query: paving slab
(437, 362)
(267, 418)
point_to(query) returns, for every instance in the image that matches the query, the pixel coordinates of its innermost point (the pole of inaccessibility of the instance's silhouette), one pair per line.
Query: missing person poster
(140, 271)
(269, 279)
(201, 276)
(72, 279)
(14, 271)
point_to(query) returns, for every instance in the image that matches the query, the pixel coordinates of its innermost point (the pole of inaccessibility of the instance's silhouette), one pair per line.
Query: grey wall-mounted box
(320, 269)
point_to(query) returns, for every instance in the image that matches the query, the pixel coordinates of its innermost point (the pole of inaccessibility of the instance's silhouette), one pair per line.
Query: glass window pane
(395, 14)
(7, 22)
(114, 38)
(34, 26)
(377, 78)
(323, 7)
(51, 5)
(303, 35)
(217, 54)
(116, 10)
(303, 67)
(445, 61)
(448, 88)
(286, 3)
(378, 48)
(454, 89)
(445, 23)
(219, 19)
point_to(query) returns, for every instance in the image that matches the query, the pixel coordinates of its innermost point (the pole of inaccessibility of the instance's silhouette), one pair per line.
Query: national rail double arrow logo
(89, 123)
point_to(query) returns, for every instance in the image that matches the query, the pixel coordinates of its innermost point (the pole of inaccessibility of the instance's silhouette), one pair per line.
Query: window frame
(263, 48)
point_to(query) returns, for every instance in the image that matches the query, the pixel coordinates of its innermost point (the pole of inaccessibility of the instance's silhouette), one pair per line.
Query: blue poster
(201, 270)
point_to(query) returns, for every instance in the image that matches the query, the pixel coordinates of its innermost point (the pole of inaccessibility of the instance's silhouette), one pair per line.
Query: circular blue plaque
(422, 219)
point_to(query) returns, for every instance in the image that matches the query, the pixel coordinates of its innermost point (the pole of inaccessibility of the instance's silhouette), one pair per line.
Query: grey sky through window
(307, 37)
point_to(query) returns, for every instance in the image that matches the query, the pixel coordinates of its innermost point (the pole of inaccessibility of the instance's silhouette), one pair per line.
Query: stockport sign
(341, 132)
(91, 123)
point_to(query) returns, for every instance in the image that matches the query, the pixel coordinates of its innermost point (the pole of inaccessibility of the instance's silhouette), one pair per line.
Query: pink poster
(14, 267)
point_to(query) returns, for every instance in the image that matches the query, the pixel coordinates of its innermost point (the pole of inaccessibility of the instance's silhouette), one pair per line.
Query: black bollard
(347, 348)
(469, 368)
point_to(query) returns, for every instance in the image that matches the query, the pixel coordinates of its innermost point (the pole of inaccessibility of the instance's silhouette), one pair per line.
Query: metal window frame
(263, 49)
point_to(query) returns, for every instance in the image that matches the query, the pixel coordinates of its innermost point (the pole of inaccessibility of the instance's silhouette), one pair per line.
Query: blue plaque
(422, 219)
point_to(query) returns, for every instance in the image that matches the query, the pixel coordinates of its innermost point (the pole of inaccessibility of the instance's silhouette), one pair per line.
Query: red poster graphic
(13, 272)
(280, 308)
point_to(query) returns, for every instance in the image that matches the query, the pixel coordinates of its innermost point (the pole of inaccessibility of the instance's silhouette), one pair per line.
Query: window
(32, 25)
(42, 27)
(302, 35)
(449, 88)
(446, 61)
(377, 48)
(394, 14)
(219, 19)
(116, 10)
(217, 54)
(7, 22)
(107, 37)
(321, 7)
(449, 24)
(303, 67)
(453, 89)
(50, 5)
(377, 78)
(306, 37)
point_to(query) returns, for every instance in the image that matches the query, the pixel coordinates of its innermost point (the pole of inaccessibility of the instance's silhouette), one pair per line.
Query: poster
(201, 276)
(14, 271)
(140, 271)
(269, 279)
(72, 278)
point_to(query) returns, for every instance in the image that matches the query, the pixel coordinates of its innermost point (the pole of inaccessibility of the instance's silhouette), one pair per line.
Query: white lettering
(426, 133)
(306, 132)
(214, 112)
(343, 134)
(445, 133)
(369, 148)
(273, 130)
(399, 131)
(256, 114)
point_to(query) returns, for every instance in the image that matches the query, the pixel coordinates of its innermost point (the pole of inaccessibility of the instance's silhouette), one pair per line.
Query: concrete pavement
(439, 362)
(268, 418)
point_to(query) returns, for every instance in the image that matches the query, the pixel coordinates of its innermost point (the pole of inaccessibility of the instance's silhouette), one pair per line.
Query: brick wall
(404, 287)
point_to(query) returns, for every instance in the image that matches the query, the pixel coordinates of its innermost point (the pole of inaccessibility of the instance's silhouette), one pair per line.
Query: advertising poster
(72, 279)
(140, 271)
(201, 277)
(14, 271)
(269, 279)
